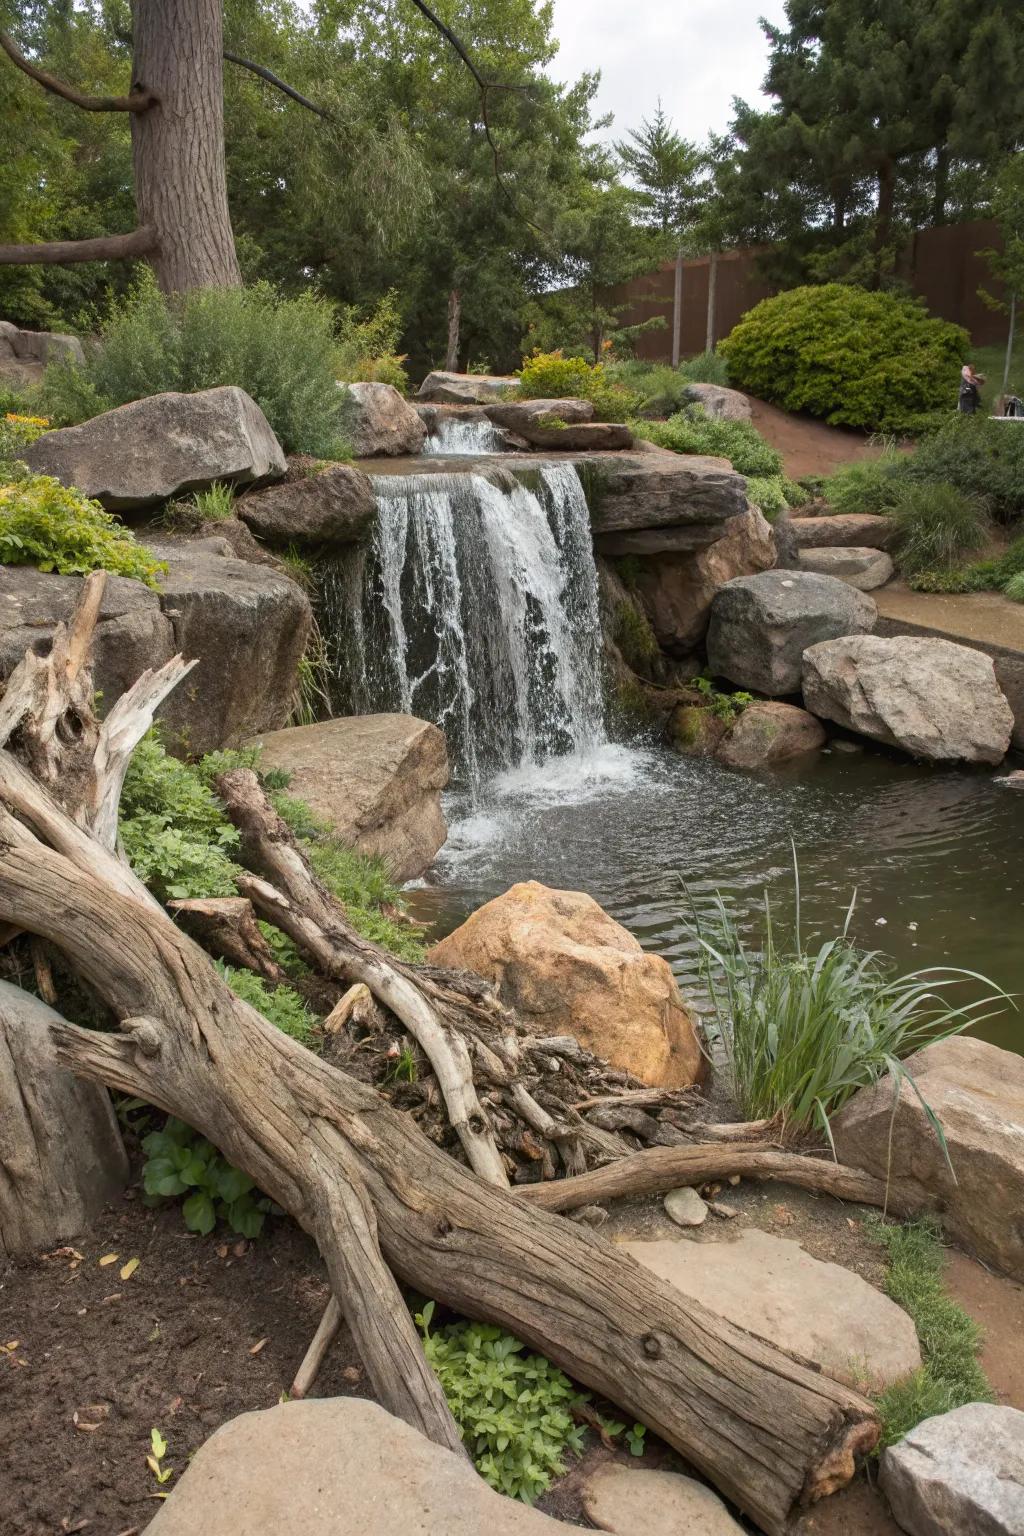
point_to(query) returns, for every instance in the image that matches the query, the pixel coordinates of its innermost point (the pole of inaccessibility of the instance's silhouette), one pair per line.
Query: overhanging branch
(278, 84)
(141, 242)
(136, 101)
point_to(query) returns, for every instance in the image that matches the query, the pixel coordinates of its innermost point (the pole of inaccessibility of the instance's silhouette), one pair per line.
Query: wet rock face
(568, 968)
(761, 625)
(377, 779)
(932, 698)
(164, 446)
(959, 1472)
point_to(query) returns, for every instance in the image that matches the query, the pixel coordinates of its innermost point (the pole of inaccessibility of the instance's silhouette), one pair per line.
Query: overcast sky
(695, 54)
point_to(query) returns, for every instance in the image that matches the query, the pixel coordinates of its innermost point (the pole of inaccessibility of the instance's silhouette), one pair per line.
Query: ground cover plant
(693, 431)
(805, 1025)
(660, 387)
(43, 523)
(281, 351)
(855, 358)
(950, 1375)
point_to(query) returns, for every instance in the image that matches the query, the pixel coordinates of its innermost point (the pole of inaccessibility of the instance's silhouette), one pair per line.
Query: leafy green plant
(17, 430)
(693, 431)
(281, 351)
(768, 493)
(514, 1409)
(216, 503)
(283, 1007)
(950, 1340)
(856, 358)
(980, 457)
(935, 526)
(155, 1459)
(44, 524)
(804, 1027)
(551, 376)
(368, 345)
(725, 706)
(179, 1162)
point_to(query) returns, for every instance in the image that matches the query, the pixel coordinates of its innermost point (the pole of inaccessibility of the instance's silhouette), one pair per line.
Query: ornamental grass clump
(935, 526)
(804, 1027)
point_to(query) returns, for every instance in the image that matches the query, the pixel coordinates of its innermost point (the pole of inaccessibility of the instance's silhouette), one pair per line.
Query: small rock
(627, 1501)
(862, 567)
(734, 1179)
(1014, 780)
(721, 1210)
(590, 1215)
(959, 1472)
(685, 1207)
(847, 748)
(769, 732)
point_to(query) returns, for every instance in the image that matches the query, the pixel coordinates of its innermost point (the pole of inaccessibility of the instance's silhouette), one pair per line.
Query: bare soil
(809, 447)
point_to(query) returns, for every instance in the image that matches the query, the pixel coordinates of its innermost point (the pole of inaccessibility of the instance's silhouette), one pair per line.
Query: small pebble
(720, 1209)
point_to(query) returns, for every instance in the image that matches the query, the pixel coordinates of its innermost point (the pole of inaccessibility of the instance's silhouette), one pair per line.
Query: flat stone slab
(640, 1503)
(335, 1466)
(862, 567)
(377, 779)
(816, 1311)
(959, 1474)
(848, 530)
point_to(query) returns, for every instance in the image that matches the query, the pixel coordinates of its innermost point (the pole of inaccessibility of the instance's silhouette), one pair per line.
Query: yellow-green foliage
(368, 347)
(17, 430)
(551, 376)
(858, 359)
(42, 523)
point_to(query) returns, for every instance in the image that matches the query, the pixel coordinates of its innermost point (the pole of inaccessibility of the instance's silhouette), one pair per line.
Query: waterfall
(477, 608)
(461, 435)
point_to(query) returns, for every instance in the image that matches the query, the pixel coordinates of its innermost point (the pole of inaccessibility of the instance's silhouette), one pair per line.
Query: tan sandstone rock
(819, 1312)
(769, 732)
(376, 778)
(335, 1466)
(631, 1501)
(568, 968)
(977, 1092)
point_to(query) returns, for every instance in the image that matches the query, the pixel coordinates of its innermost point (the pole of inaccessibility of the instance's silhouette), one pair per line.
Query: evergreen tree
(666, 170)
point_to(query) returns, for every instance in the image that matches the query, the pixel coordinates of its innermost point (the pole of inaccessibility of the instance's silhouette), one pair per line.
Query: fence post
(677, 308)
(709, 344)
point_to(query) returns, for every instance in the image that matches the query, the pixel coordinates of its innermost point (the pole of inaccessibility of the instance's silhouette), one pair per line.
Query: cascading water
(476, 608)
(455, 436)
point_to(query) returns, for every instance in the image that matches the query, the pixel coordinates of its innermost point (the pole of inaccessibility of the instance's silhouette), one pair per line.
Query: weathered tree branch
(141, 242)
(136, 101)
(278, 84)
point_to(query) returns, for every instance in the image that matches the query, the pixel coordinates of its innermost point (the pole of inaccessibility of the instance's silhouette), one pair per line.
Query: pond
(936, 856)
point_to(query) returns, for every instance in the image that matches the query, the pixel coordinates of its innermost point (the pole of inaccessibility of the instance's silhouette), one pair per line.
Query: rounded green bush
(854, 358)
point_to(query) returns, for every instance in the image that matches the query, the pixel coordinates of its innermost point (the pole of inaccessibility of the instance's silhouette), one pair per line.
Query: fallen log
(383, 1203)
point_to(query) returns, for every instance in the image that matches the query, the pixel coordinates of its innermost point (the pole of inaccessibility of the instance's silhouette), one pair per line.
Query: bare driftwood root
(383, 1203)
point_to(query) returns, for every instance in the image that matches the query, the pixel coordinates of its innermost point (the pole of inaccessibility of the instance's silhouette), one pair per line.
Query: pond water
(936, 856)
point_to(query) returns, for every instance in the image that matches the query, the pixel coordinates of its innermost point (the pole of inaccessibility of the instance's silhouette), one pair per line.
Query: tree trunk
(61, 1155)
(178, 145)
(884, 213)
(381, 1200)
(451, 356)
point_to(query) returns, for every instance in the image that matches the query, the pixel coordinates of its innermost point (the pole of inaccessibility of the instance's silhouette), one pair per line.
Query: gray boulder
(443, 388)
(929, 697)
(332, 506)
(519, 414)
(862, 568)
(761, 625)
(25, 354)
(655, 488)
(961, 1472)
(382, 424)
(724, 404)
(376, 778)
(847, 530)
(166, 445)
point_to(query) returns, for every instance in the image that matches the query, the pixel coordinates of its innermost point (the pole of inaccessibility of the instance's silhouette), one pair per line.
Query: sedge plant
(804, 1026)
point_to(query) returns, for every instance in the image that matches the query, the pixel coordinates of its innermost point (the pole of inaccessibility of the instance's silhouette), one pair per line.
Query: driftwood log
(383, 1203)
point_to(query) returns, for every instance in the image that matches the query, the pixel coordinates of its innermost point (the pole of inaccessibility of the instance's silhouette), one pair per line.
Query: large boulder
(627, 1501)
(761, 625)
(676, 588)
(932, 698)
(518, 414)
(381, 423)
(816, 1311)
(659, 489)
(724, 404)
(162, 446)
(335, 1466)
(977, 1092)
(861, 567)
(768, 733)
(959, 1474)
(562, 425)
(25, 354)
(570, 969)
(442, 388)
(846, 530)
(333, 505)
(377, 779)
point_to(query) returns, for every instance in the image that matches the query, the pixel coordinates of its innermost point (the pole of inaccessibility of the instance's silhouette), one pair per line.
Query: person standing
(970, 390)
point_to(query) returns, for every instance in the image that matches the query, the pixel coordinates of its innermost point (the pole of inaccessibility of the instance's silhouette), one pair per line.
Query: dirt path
(809, 447)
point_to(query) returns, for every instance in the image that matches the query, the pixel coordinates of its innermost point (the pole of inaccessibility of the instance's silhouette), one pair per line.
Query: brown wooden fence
(942, 265)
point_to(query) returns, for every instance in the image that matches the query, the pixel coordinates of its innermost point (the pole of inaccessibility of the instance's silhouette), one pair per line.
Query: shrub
(804, 1028)
(44, 524)
(368, 347)
(282, 352)
(692, 431)
(981, 457)
(550, 376)
(935, 526)
(1014, 588)
(768, 493)
(857, 359)
(870, 485)
(950, 1340)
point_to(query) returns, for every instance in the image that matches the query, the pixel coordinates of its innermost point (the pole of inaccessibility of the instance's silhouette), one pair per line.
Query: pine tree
(666, 170)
